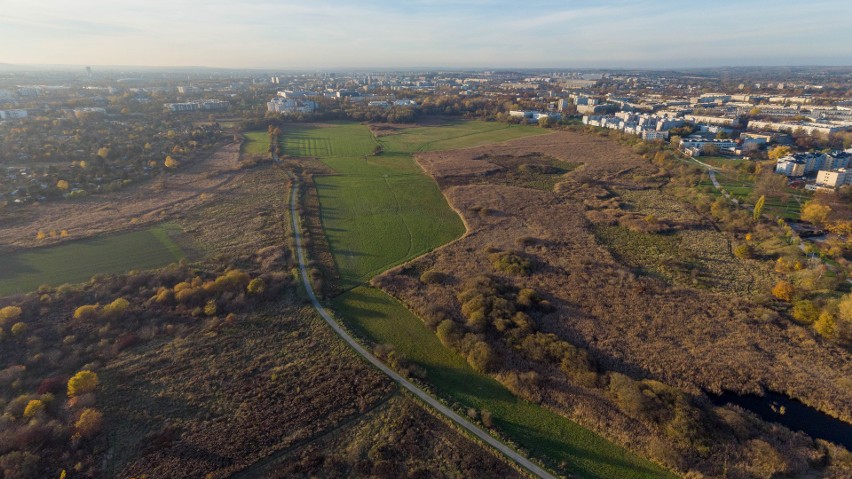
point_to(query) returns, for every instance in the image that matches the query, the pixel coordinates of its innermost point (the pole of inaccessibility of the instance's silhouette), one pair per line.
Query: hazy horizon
(331, 34)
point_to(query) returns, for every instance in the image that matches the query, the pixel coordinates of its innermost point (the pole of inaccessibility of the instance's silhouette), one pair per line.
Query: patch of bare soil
(153, 201)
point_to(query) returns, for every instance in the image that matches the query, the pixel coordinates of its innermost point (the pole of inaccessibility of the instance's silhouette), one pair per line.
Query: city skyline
(433, 33)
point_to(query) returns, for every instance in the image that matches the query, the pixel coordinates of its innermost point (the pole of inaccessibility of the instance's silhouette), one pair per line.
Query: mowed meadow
(380, 209)
(77, 261)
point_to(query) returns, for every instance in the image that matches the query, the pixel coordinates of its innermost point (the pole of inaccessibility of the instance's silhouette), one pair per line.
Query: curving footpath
(425, 397)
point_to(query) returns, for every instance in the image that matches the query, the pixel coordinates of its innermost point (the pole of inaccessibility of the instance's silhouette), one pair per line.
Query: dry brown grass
(398, 439)
(153, 201)
(713, 337)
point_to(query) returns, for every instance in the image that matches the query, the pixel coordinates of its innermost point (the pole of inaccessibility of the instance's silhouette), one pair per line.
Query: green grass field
(257, 143)
(740, 186)
(380, 319)
(380, 210)
(77, 261)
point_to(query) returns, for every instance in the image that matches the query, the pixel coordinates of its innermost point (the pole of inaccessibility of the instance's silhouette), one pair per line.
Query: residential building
(290, 106)
(833, 178)
(651, 135)
(12, 114)
(810, 128)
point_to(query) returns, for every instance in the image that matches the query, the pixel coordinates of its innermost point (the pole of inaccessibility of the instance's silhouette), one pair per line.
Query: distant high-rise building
(89, 71)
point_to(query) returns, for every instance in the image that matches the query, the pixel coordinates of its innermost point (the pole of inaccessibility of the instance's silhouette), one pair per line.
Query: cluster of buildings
(12, 114)
(290, 102)
(830, 168)
(534, 115)
(198, 105)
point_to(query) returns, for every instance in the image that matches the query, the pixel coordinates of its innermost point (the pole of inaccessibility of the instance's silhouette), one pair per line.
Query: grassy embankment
(381, 210)
(77, 261)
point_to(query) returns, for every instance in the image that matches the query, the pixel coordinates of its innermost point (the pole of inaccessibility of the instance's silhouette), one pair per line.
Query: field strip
(422, 395)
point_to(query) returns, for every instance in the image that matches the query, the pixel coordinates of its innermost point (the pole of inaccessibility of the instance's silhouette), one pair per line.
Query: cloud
(383, 33)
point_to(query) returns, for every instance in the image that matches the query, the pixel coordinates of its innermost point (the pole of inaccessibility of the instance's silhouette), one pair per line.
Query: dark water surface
(793, 414)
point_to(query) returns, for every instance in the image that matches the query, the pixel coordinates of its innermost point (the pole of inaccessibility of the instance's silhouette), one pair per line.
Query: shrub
(83, 382)
(481, 357)
(432, 277)
(744, 251)
(34, 408)
(826, 325)
(448, 332)
(256, 286)
(19, 328)
(510, 263)
(210, 308)
(86, 312)
(115, 309)
(89, 424)
(805, 312)
(784, 291)
(9, 313)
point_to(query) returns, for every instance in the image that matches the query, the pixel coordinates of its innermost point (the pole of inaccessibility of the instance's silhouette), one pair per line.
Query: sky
(337, 34)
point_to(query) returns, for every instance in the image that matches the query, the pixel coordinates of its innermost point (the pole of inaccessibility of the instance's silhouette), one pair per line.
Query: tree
(171, 162)
(63, 185)
(779, 152)
(826, 324)
(674, 141)
(784, 290)
(41, 235)
(815, 213)
(758, 207)
(103, 152)
(83, 382)
(805, 312)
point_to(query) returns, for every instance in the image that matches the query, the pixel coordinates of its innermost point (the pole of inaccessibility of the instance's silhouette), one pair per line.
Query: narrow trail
(411, 387)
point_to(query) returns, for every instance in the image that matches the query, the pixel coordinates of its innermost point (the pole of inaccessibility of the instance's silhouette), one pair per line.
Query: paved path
(425, 397)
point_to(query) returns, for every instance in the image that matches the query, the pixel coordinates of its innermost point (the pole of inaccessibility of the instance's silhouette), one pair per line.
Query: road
(423, 395)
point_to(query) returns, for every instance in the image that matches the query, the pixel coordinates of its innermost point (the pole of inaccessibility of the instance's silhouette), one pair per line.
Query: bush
(115, 309)
(19, 328)
(86, 312)
(34, 408)
(256, 286)
(744, 251)
(9, 313)
(784, 291)
(83, 382)
(89, 424)
(481, 357)
(210, 308)
(510, 263)
(805, 312)
(448, 333)
(432, 277)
